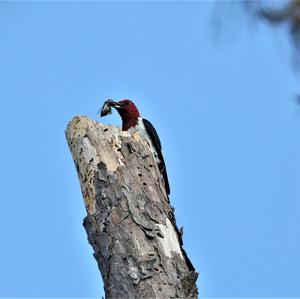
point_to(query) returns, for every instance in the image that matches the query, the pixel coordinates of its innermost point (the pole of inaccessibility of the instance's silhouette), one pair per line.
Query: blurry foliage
(281, 14)
(278, 13)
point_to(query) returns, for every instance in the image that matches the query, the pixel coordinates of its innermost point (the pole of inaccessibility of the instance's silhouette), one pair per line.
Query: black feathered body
(148, 132)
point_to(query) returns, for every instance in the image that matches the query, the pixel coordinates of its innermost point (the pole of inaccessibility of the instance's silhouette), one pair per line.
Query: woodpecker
(134, 123)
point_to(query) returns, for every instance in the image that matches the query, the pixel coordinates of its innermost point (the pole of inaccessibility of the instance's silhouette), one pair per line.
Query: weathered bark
(130, 223)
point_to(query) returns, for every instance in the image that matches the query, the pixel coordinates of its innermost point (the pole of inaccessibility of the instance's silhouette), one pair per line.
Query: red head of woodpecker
(132, 122)
(129, 113)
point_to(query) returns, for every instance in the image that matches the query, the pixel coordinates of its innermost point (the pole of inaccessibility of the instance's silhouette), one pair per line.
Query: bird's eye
(126, 103)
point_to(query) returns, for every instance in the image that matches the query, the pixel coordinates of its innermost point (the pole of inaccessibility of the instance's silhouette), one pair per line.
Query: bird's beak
(116, 105)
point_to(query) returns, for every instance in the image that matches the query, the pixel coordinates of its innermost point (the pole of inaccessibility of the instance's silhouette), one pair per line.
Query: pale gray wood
(130, 222)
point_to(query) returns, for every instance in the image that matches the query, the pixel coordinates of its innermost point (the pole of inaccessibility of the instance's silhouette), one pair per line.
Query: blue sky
(227, 121)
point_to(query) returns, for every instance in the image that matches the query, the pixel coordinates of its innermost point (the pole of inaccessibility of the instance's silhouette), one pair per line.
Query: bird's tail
(163, 171)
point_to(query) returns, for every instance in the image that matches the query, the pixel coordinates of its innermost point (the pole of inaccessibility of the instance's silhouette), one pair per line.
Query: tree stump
(130, 223)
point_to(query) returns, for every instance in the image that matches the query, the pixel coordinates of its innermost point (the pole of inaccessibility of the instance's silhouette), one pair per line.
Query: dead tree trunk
(130, 223)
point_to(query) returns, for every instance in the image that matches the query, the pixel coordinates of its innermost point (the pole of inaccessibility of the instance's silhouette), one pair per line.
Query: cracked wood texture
(130, 223)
